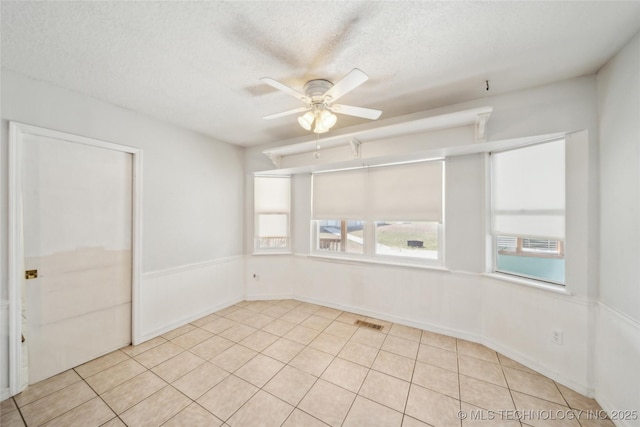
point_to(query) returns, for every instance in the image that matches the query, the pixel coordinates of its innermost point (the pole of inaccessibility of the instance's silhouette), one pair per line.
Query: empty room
(318, 213)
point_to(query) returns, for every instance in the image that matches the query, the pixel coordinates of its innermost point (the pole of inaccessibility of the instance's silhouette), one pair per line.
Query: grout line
(70, 409)
(265, 306)
(332, 360)
(262, 387)
(19, 411)
(415, 362)
(133, 406)
(242, 379)
(508, 385)
(107, 405)
(458, 373)
(561, 394)
(46, 395)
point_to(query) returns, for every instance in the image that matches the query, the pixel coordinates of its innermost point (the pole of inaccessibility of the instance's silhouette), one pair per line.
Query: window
(272, 211)
(528, 205)
(340, 236)
(407, 239)
(383, 212)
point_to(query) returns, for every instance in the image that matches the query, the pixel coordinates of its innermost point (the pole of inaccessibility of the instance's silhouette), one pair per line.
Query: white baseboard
(617, 354)
(268, 297)
(456, 333)
(610, 408)
(532, 364)
(188, 319)
(395, 319)
(174, 297)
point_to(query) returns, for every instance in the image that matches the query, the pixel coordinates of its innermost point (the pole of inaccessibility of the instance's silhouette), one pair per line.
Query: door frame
(15, 237)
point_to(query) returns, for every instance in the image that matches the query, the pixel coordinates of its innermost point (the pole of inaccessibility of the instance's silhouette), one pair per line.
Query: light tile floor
(293, 364)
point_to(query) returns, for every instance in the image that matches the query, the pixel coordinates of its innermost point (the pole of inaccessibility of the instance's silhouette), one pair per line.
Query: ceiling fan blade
(286, 113)
(365, 113)
(349, 82)
(286, 89)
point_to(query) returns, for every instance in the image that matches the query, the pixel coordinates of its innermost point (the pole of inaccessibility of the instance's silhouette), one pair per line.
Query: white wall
(619, 105)
(618, 315)
(192, 200)
(514, 319)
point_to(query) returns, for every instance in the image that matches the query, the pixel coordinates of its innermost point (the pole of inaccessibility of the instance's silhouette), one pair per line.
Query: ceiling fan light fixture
(319, 95)
(306, 120)
(319, 127)
(328, 119)
(324, 119)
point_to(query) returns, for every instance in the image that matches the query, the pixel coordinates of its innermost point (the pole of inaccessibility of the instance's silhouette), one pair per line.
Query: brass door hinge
(31, 274)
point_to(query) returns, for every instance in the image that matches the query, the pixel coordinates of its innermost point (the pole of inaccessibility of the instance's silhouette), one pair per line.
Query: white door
(77, 216)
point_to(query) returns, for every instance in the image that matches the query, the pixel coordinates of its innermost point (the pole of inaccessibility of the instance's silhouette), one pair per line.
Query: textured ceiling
(198, 64)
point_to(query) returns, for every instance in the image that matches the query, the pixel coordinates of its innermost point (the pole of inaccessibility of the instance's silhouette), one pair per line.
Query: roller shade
(409, 192)
(528, 191)
(340, 194)
(273, 225)
(271, 194)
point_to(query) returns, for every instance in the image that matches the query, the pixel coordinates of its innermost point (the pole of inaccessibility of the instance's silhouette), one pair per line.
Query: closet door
(77, 234)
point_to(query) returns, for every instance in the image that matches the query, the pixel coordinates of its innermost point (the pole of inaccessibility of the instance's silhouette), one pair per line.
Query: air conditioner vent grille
(364, 324)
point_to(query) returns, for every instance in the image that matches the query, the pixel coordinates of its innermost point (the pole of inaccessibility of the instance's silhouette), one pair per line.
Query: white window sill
(272, 253)
(558, 289)
(356, 260)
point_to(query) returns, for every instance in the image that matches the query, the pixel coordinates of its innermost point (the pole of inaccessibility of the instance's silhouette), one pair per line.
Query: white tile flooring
(293, 364)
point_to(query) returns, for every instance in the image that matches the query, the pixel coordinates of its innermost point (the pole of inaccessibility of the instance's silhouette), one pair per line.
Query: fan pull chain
(316, 155)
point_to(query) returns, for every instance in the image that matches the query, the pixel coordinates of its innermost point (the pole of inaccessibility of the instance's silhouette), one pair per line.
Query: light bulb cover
(328, 119)
(320, 128)
(306, 120)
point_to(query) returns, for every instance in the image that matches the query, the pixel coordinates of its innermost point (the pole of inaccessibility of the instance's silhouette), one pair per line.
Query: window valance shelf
(390, 129)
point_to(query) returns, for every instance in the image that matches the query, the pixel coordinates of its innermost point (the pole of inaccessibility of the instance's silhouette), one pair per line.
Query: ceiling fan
(320, 95)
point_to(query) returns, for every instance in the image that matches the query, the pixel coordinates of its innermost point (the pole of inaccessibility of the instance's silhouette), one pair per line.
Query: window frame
(342, 252)
(494, 236)
(369, 253)
(260, 250)
(412, 259)
(521, 249)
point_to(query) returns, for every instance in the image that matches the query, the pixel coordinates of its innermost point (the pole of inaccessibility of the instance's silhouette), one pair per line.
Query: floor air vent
(368, 325)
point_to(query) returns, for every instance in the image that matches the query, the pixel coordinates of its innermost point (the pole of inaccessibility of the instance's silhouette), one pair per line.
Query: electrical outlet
(557, 336)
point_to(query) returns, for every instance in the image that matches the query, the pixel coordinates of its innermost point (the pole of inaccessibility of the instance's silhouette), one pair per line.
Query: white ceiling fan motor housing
(315, 89)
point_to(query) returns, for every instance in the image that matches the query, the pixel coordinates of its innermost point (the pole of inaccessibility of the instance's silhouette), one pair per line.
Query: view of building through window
(340, 236)
(534, 258)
